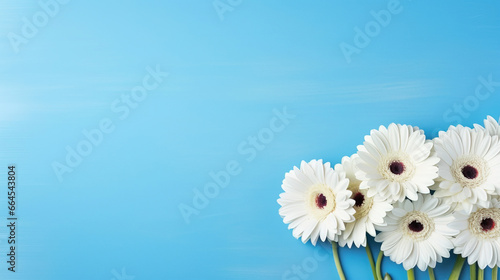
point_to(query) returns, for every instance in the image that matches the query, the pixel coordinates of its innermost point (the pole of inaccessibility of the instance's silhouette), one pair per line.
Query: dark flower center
(321, 201)
(487, 224)
(359, 198)
(397, 167)
(416, 226)
(470, 172)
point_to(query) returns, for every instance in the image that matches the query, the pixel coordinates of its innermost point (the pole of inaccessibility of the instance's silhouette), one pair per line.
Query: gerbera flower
(316, 202)
(396, 162)
(370, 211)
(479, 238)
(491, 125)
(417, 233)
(469, 166)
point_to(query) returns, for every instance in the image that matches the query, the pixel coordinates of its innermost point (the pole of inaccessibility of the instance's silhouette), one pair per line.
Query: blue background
(117, 213)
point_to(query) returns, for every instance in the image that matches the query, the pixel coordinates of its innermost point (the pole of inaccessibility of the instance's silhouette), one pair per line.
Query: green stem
(337, 261)
(372, 263)
(473, 271)
(379, 265)
(431, 274)
(480, 274)
(411, 275)
(494, 273)
(457, 268)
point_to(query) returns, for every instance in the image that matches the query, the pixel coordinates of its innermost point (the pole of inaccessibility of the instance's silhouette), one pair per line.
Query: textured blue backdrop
(180, 177)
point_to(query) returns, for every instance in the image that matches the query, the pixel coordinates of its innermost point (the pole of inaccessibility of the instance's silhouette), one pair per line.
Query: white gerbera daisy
(469, 166)
(396, 162)
(316, 202)
(417, 233)
(370, 211)
(491, 125)
(479, 238)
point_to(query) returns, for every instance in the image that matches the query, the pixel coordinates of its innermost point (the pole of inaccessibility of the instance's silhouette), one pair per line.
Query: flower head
(469, 166)
(396, 162)
(417, 233)
(479, 238)
(316, 203)
(370, 211)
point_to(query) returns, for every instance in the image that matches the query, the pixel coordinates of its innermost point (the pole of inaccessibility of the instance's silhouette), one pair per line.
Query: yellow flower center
(417, 225)
(396, 167)
(321, 201)
(470, 171)
(483, 223)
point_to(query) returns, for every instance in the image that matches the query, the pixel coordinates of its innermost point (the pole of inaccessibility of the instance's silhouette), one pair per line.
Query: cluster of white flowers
(419, 198)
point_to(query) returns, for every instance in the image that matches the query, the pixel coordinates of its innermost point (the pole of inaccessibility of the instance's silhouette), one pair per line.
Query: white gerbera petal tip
(396, 162)
(417, 233)
(316, 202)
(491, 125)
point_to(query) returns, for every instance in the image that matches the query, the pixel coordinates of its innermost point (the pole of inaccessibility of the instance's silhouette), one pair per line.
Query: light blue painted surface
(119, 207)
